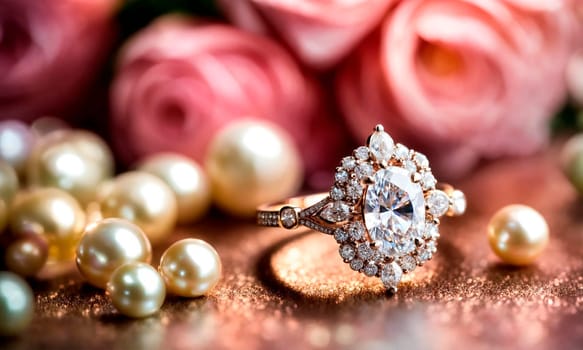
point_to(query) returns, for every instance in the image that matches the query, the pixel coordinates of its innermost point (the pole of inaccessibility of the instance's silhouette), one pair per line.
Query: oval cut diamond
(394, 211)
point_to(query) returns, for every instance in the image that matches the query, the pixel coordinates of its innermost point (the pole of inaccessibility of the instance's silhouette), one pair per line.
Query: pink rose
(319, 32)
(49, 52)
(462, 80)
(179, 81)
(575, 77)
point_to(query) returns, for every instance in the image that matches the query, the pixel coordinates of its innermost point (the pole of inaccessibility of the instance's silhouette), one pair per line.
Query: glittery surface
(283, 289)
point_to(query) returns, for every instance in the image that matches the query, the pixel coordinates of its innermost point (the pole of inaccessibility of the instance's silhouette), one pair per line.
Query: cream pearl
(16, 142)
(143, 199)
(51, 213)
(251, 163)
(3, 216)
(46, 125)
(571, 160)
(187, 181)
(27, 256)
(518, 234)
(136, 289)
(8, 188)
(8, 182)
(16, 304)
(72, 160)
(108, 244)
(190, 267)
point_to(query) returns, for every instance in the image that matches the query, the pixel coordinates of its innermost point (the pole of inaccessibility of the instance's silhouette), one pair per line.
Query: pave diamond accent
(438, 203)
(410, 166)
(341, 176)
(364, 251)
(354, 190)
(370, 269)
(347, 252)
(426, 252)
(364, 170)
(381, 146)
(394, 211)
(391, 275)
(421, 160)
(431, 232)
(361, 153)
(336, 193)
(356, 230)
(424, 255)
(458, 203)
(335, 212)
(268, 218)
(428, 181)
(401, 152)
(340, 235)
(356, 264)
(348, 163)
(407, 263)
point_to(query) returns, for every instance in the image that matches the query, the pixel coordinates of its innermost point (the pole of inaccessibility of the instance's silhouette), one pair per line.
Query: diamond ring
(384, 209)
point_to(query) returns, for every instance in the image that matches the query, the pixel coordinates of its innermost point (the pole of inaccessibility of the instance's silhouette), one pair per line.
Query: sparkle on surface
(394, 209)
(280, 289)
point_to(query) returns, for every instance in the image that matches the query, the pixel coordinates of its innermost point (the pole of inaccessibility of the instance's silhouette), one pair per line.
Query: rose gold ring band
(304, 211)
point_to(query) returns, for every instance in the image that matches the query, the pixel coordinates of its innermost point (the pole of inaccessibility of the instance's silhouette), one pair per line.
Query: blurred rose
(179, 81)
(462, 79)
(320, 32)
(49, 51)
(575, 77)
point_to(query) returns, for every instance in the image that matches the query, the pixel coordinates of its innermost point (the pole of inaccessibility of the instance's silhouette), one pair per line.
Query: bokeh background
(262, 97)
(462, 81)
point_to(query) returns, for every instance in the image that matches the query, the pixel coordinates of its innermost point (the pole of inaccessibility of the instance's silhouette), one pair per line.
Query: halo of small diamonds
(396, 253)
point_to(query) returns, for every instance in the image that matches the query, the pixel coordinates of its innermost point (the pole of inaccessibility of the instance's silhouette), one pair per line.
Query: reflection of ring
(383, 209)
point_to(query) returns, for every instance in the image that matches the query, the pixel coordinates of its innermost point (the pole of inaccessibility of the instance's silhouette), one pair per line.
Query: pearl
(251, 163)
(8, 182)
(190, 267)
(108, 244)
(518, 234)
(3, 216)
(571, 160)
(46, 125)
(72, 160)
(16, 304)
(16, 141)
(143, 199)
(136, 289)
(187, 181)
(27, 256)
(51, 213)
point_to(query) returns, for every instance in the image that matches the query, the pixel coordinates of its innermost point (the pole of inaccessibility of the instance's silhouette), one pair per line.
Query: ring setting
(384, 209)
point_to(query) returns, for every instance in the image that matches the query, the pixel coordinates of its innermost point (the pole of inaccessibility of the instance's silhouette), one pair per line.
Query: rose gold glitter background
(287, 291)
